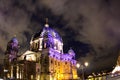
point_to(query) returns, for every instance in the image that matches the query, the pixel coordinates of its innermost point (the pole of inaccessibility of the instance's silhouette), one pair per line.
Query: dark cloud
(91, 27)
(96, 23)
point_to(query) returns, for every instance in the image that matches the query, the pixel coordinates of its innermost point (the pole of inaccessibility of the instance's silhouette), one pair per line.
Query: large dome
(14, 39)
(47, 38)
(48, 33)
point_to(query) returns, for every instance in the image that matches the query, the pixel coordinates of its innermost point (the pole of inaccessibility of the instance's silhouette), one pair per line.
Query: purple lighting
(50, 39)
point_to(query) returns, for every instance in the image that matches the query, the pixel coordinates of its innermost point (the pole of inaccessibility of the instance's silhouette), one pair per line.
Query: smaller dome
(14, 39)
(71, 52)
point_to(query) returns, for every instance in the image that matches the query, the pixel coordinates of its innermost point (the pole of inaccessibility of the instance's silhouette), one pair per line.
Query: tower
(11, 57)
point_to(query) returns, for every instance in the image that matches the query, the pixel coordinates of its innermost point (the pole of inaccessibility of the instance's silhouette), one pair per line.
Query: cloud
(97, 18)
(13, 21)
(93, 22)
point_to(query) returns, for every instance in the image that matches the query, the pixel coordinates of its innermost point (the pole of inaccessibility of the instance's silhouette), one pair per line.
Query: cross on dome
(46, 24)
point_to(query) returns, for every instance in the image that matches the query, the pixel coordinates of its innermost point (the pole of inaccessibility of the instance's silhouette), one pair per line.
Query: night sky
(90, 27)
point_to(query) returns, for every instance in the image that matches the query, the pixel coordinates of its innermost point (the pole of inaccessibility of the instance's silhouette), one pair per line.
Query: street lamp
(82, 66)
(78, 65)
(86, 64)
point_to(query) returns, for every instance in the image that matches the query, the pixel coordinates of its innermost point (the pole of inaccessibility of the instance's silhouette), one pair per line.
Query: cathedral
(45, 60)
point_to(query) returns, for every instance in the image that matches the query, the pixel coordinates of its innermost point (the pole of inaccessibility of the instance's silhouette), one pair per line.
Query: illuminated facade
(45, 60)
(116, 70)
(10, 60)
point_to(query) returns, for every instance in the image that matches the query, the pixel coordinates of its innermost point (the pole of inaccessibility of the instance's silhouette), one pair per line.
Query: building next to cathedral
(44, 61)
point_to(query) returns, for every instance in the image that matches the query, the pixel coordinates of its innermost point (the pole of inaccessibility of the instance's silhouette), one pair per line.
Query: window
(51, 61)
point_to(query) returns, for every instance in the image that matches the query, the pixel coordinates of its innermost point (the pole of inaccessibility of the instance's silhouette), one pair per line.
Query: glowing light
(86, 64)
(117, 68)
(61, 75)
(46, 25)
(75, 76)
(30, 56)
(38, 77)
(5, 70)
(78, 65)
(31, 76)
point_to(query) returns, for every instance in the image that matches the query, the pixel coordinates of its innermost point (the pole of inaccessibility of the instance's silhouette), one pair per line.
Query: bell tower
(11, 57)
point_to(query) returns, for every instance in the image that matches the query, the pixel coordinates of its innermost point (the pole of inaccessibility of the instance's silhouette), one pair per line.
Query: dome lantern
(46, 24)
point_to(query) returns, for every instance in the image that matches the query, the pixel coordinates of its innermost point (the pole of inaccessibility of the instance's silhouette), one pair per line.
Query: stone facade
(45, 60)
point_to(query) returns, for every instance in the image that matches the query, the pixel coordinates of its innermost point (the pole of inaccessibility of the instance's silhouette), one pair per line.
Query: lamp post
(82, 66)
